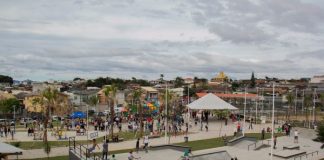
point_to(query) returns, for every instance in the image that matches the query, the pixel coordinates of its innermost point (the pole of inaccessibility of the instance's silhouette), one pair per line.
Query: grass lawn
(39, 144)
(195, 145)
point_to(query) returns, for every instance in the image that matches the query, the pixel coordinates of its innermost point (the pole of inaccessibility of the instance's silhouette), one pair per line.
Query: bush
(320, 133)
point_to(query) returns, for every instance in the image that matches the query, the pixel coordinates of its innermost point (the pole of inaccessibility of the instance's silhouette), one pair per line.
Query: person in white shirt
(296, 136)
(146, 142)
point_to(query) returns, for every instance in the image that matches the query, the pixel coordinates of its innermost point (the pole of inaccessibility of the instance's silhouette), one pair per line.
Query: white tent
(210, 102)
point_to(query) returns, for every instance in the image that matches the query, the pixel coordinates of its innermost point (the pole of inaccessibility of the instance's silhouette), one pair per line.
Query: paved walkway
(215, 129)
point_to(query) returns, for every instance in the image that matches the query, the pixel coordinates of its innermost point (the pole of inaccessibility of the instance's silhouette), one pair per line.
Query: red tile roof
(223, 95)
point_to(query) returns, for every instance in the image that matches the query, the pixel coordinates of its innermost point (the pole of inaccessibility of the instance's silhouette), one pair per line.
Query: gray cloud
(127, 38)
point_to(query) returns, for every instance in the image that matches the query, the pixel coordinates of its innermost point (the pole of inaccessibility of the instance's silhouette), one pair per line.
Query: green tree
(6, 105)
(110, 93)
(290, 100)
(178, 82)
(320, 133)
(139, 96)
(252, 85)
(48, 99)
(6, 79)
(93, 101)
(308, 103)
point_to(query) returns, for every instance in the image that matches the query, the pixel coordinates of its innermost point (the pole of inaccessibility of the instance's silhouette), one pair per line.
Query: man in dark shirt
(105, 150)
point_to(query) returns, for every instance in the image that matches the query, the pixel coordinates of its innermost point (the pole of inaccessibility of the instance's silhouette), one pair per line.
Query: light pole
(14, 107)
(244, 112)
(273, 107)
(166, 113)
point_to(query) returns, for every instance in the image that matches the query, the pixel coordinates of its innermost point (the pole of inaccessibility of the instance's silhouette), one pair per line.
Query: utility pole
(256, 106)
(296, 103)
(273, 107)
(244, 112)
(166, 114)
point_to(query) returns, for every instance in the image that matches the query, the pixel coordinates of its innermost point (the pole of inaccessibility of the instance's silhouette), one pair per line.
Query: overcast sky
(63, 39)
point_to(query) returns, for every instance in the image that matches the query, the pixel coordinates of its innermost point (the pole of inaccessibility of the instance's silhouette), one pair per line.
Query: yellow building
(62, 106)
(220, 78)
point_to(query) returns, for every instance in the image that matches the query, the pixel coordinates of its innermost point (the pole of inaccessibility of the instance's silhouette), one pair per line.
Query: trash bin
(186, 139)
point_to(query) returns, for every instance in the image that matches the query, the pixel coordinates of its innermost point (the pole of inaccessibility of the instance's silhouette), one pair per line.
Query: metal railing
(255, 144)
(81, 150)
(306, 155)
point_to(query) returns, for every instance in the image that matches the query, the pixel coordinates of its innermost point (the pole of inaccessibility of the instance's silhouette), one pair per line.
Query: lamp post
(244, 112)
(14, 107)
(166, 113)
(273, 107)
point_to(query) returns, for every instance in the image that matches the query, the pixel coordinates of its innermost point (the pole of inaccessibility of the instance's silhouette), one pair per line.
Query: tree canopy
(120, 83)
(6, 79)
(6, 105)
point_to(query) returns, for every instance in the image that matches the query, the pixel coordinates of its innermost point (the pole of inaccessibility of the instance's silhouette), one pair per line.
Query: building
(220, 78)
(188, 81)
(120, 97)
(38, 87)
(151, 94)
(317, 79)
(177, 91)
(62, 107)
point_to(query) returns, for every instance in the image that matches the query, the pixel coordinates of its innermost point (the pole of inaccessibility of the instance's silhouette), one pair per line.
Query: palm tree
(138, 96)
(290, 100)
(308, 104)
(48, 99)
(110, 93)
(93, 101)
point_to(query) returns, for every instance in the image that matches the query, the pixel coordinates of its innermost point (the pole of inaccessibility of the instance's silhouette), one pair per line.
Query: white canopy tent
(210, 102)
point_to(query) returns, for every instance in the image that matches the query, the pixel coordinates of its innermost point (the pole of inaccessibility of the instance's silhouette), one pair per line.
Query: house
(38, 87)
(62, 107)
(317, 79)
(120, 97)
(151, 94)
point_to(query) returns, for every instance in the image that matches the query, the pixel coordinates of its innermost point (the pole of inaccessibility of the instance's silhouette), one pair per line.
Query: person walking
(251, 124)
(1, 131)
(137, 145)
(275, 142)
(146, 142)
(262, 134)
(105, 149)
(296, 136)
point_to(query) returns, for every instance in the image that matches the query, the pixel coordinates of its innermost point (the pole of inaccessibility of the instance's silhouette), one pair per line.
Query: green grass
(195, 145)
(39, 144)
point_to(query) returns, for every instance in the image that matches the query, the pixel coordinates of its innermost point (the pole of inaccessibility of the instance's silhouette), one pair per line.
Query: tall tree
(6, 105)
(110, 93)
(252, 84)
(48, 100)
(290, 101)
(138, 96)
(93, 101)
(178, 82)
(308, 103)
(6, 79)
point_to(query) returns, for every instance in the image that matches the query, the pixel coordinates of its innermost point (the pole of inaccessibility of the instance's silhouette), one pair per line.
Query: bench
(291, 147)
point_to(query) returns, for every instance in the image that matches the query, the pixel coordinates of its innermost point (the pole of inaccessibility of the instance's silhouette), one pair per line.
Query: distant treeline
(121, 83)
(6, 79)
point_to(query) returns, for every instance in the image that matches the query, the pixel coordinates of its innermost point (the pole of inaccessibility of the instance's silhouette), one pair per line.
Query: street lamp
(14, 117)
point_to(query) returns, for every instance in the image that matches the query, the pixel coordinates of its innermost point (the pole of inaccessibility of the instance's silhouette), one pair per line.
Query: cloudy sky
(62, 39)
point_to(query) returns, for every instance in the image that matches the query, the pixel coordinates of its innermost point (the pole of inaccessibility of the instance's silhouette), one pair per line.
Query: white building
(177, 91)
(317, 79)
